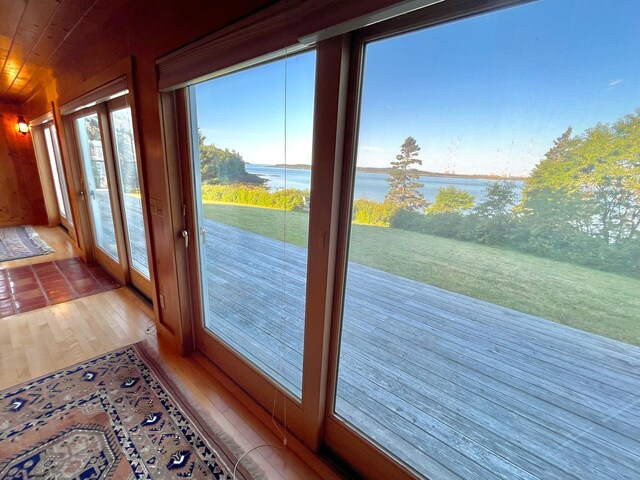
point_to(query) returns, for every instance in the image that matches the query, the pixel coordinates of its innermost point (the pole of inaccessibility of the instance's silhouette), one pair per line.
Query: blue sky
(486, 94)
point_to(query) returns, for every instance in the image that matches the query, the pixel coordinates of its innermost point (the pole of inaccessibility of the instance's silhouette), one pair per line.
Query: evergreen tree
(404, 190)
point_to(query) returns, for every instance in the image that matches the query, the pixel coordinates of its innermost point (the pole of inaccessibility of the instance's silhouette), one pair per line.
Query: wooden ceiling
(31, 33)
(35, 33)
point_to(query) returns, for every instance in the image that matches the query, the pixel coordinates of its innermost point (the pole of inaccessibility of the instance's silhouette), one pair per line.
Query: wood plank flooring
(456, 387)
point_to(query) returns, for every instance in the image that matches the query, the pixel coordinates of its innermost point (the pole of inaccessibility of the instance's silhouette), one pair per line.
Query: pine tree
(404, 190)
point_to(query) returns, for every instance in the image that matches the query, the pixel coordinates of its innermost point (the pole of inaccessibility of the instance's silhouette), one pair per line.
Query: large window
(491, 300)
(253, 175)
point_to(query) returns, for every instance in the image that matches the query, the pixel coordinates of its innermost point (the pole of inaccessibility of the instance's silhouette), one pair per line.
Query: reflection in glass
(56, 172)
(254, 260)
(128, 173)
(97, 188)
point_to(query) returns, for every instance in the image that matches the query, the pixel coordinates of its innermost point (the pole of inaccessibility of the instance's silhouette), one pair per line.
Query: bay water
(374, 186)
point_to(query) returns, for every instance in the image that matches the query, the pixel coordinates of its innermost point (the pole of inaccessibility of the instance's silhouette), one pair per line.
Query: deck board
(456, 386)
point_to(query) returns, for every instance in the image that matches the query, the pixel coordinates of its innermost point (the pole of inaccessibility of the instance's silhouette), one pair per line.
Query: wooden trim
(106, 76)
(68, 176)
(99, 95)
(332, 69)
(437, 14)
(255, 383)
(364, 455)
(64, 220)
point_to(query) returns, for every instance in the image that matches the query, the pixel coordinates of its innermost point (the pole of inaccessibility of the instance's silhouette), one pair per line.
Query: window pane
(62, 179)
(128, 173)
(254, 143)
(54, 172)
(90, 139)
(491, 317)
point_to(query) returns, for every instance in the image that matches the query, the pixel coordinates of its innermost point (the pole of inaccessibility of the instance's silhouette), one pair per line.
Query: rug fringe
(35, 238)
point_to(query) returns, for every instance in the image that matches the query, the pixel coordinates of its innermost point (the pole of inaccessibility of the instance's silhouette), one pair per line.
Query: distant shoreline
(386, 170)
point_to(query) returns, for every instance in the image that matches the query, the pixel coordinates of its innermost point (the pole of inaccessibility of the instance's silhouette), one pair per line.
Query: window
(55, 160)
(252, 177)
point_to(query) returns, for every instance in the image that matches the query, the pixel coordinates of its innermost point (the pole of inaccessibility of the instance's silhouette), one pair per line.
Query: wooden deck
(135, 229)
(455, 387)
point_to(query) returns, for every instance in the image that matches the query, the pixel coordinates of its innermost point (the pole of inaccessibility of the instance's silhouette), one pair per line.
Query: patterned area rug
(21, 242)
(118, 416)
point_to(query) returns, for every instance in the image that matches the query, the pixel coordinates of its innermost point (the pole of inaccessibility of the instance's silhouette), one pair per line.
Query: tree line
(581, 202)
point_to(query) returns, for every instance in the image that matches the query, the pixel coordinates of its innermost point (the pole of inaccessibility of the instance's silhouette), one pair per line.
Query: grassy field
(591, 300)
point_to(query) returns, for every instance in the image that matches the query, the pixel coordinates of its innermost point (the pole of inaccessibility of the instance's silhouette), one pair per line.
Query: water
(374, 186)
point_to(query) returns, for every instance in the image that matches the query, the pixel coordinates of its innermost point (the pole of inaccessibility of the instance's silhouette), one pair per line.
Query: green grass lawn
(591, 300)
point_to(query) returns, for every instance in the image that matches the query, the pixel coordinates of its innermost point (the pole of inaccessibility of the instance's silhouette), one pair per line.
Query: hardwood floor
(45, 340)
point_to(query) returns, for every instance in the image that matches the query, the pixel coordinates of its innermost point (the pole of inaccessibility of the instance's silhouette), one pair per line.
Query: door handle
(185, 236)
(203, 234)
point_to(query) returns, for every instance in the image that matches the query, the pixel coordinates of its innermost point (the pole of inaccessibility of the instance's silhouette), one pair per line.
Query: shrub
(369, 212)
(289, 199)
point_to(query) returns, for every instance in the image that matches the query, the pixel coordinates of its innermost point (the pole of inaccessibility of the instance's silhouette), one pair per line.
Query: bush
(369, 212)
(524, 234)
(289, 199)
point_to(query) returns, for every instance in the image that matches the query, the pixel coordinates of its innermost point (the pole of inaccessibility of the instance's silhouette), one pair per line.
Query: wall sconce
(23, 126)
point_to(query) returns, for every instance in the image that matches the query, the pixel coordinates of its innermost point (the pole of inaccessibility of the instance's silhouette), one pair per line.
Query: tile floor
(35, 286)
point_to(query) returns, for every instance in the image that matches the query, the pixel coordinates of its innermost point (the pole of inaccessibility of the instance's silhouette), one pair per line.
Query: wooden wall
(21, 199)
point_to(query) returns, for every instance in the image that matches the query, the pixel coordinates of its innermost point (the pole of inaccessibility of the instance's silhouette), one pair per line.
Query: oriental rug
(21, 242)
(117, 416)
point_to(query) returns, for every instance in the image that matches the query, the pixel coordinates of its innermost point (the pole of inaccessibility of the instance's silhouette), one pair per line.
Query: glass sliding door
(126, 163)
(57, 171)
(98, 190)
(252, 134)
(107, 149)
(490, 323)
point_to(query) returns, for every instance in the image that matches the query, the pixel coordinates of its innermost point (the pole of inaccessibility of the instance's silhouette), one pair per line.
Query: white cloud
(613, 83)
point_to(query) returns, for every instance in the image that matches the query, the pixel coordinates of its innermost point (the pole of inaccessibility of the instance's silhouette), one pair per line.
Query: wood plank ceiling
(33, 34)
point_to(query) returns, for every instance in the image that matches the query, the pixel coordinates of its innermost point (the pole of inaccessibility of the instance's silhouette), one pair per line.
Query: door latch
(185, 236)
